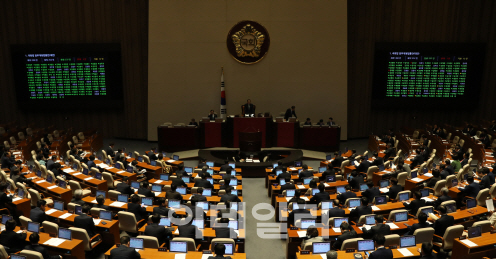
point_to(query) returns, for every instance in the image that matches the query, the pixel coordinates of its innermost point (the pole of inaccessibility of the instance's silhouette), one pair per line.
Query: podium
(250, 141)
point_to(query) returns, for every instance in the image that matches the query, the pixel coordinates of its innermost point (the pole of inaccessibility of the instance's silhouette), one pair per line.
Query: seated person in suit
(321, 196)
(15, 174)
(295, 198)
(152, 153)
(305, 173)
(203, 182)
(335, 212)
(381, 252)
(135, 207)
(163, 210)
(13, 242)
(37, 213)
(394, 189)
(172, 194)
(279, 166)
(100, 201)
(356, 180)
(486, 180)
(180, 171)
(228, 175)
(418, 159)
(5, 199)
(444, 197)
(311, 236)
(363, 166)
(283, 175)
(229, 196)
(329, 172)
(178, 180)
(249, 108)
(193, 123)
(227, 212)
(422, 218)
(378, 160)
(145, 189)
(223, 231)
(308, 122)
(380, 229)
(91, 162)
(414, 205)
(299, 213)
(337, 161)
(290, 112)
(155, 230)
(347, 195)
(204, 172)
(78, 196)
(289, 185)
(198, 196)
(124, 251)
(331, 122)
(211, 115)
(442, 223)
(426, 252)
(190, 231)
(219, 251)
(85, 221)
(34, 245)
(435, 178)
(312, 185)
(51, 162)
(444, 173)
(202, 162)
(321, 123)
(472, 189)
(7, 160)
(361, 210)
(371, 192)
(110, 150)
(225, 166)
(346, 233)
(465, 159)
(124, 187)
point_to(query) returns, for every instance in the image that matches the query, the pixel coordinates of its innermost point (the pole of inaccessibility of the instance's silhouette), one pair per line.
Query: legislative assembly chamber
(252, 129)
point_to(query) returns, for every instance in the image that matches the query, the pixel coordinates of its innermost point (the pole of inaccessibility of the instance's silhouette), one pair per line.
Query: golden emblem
(248, 41)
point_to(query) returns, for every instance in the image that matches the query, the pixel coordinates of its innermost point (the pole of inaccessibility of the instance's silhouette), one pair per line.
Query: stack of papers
(50, 211)
(237, 232)
(68, 170)
(157, 193)
(392, 225)
(326, 185)
(181, 256)
(158, 181)
(94, 201)
(117, 204)
(16, 199)
(256, 161)
(51, 187)
(337, 230)
(102, 165)
(177, 231)
(367, 227)
(206, 256)
(468, 242)
(42, 181)
(301, 233)
(249, 160)
(76, 174)
(120, 172)
(416, 179)
(89, 178)
(66, 215)
(375, 208)
(171, 160)
(490, 205)
(54, 241)
(428, 174)
(385, 189)
(426, 199)
(301, 186)
(288, 198)
(293, 169)
(97, 221)
(405, 252)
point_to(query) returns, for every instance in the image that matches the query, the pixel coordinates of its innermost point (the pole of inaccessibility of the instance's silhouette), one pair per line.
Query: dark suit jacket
(282, 176)
(225, 232)
(336, 212)
(389, 153)
(7, 162)
(414, 206)
(190, 231)
(344, 196)
(464, 162)
(203, 183)
(37, 215)
(337, 161)
(485, 182)
(432, 182)
(50, 164)
(445, 173)
(442, 224)
(85, 222)
(378, 161)
(412, 228)
(152, 155)
(394, 190)
(198, 197)
(418, 160)
(4, 198)
(440, 200)
(302, 213)
(173, 195)
(472, 190)
(137, 210)
(105, 207)
(224, 167)
(288, 186)
(305, 174)
(79, 202)
(327, 173)
(229, 197)
(363, 166)
(92, 164)
(249, 108)
(491, 177)
(110, 152)
(320, 197)
(379, 229)
(160, 232)
(212, 116)
(356, 181)
(124, 188)
(450, 169)
(381, 253)
(147, 192)
(40, 249)
(360, 211)
(289, 113)
(124, 252)
(179, 182)
(12, 241)
(181, 173)
(371, 193)
(163, 211)
(343, 237)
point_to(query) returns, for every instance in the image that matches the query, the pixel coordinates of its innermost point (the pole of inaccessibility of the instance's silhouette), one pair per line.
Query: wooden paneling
(415, 21)
(80, 21)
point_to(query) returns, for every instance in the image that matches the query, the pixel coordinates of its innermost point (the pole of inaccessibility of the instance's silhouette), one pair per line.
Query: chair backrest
(75, 139)
(365, 153)
(421, 208)
(189, 241)
(423, 235)
(393, 213)
(462, 172)
(94, 171)
(74, 185)
(223, 241)
(449, 180)
(344, 164)
(111, 160)
(402, 178)
(7, 145)
(371, 171)
(104, 154)
(56, 133)
(81, 136)
(393, 239)
(127, 222)
(29, 254)
(50, 227)
(136, 155)
(429, 163)
(146, 159)
(444, 203)
(450, 235)
(38, 144)
(21, 136)
(13, 140)
(461, 142)
(350, 243)
(484, 224)
(421, 168)
(3, 253)
(362, 218)
(482, 196)
(24, 221)
(398, 195)
(35, 196)
(81, 234)
(492, 191)
(439, 185)
(95, 211)
(112, 194)
(72, 206)
(109, 178)
(455, 140)
(387, 164)
(149, 242)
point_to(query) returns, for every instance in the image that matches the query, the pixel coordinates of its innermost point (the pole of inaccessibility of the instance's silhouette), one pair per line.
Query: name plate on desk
(162, 249)
(462, 237)
(208, 252)
(305, 252)
(350, 250)
(293, 228)
(393, 247)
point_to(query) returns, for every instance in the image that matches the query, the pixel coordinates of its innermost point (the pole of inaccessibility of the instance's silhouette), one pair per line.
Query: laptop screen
(164, 177)
(140, 159)
(108, 162)
(164, 222)
(136, 243)
(202, 204)
(326, 205)
(210, 163)
(5, 218)
(135, 184)
(100, 193)
(175, 157)
(207, 192)
(370, 220)
(305, 223)
(404, 196)
(278, 171)
(106, 215)
(123, 197)
(229, 249)
(474, 232)
(471, 203)
(427, 211)
(381, 168)
(153, 163)
(450, 208)
(78, 209)
(274, 165)
(320, 247)
(210, 180)
(62, 184)
(178, 247)
(338, 221)
(315, 191)
(49, 178)
(331, 178)
(380, 200)
(129, 169)
(117, 166)
(426, 170)
(85, 171)
(98, 176)
(234, 206)
(454, 182)
(297, 163)
(290, 192)
(65, 233)
(175, 204)
(322, 169)
(58, 205)
(363, 187)
(232, 165)
(147, 201)
(296, 206)
(20, 192)
(233, 182)
(384, 183)
(156, 187)
(282, 181)
(413, 174)
(328, 157)
(181, 190)
(306, 181)
(233, 224)
(198, 222)
(34, 227)
(401, 216)
(354, 203)
(234, 192)
(424, 192)
(185, 179)
(365, 245)
(188, 170)
(340, 189)
(14, 256)
(210, 171)
(407, 241)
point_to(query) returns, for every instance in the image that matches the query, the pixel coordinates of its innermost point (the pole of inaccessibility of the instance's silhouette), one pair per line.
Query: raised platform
(250, 169)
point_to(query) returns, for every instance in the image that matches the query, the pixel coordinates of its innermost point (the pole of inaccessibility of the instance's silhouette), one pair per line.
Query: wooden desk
(117, 173)
(484, 248)
(276, 190)
(56, 193)
(343, 254)
(149, 253)
(93, 182)
(155, 170)
(24, 206)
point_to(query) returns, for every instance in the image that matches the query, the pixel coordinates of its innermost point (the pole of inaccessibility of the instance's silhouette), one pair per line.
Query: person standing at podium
(290, 112)
(212, 116)
(249, 108)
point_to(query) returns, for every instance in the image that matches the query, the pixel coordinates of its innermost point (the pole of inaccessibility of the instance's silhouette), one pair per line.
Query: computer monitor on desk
(105, 214)
(424, 192)
(363, 187)
(210, 164)
(322, 169)
(65, 233)
(307, 180)
(407, 241)
(339, 221)
(181, 190)
(164, 177)
(403, 196)
(156, 187)
(471, 203)
(379, 200)
(58, 205)
(164, 222)
(340, 189)
(290, 192)
(365, 245)
(176, 204)
(234, 224)
(320, 247)
(232, 165)
(474, 232)
(306, 223)
(384, 183)
(136, 243)
(325, 205)
(175, 157)
(123, 197)
(354, 202)
(331, 178)
(101, 193)
(34, 227)
(370, 220)
(427, 211)
(178, 247)
(401, 216)
(5, 218)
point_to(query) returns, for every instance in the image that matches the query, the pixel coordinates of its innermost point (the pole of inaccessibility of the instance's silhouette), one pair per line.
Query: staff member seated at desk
(163, 210)
(13, 242)
(381, 252)
(100, 203)
(145, 190)
(347, 232)
(394, 189)
(435, 177)
(311, 236)
(299, 213)
(337, 161)
(472, 189)
(380, 229)
(85, 221)
(193, 123)
(219, 251)
(37, 214)
(124, 251)
(135, 208)
(331, 122)
(335, 212)
(305, 173)
(444, 197)
(422, 218)
(321, 196)
(34, 238)
(155, 230)
(172, 194)
(296, 197)
(288, 185)
(426, 252)
(203, 182)
(308, 122)
(414, 205)
(441, 224)
(224, 231)
(124, 187)
(346, 195)
(371, 192)
(78, 195)
(363, 209)
(356, 180)
(229, 196)
(15, 174)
